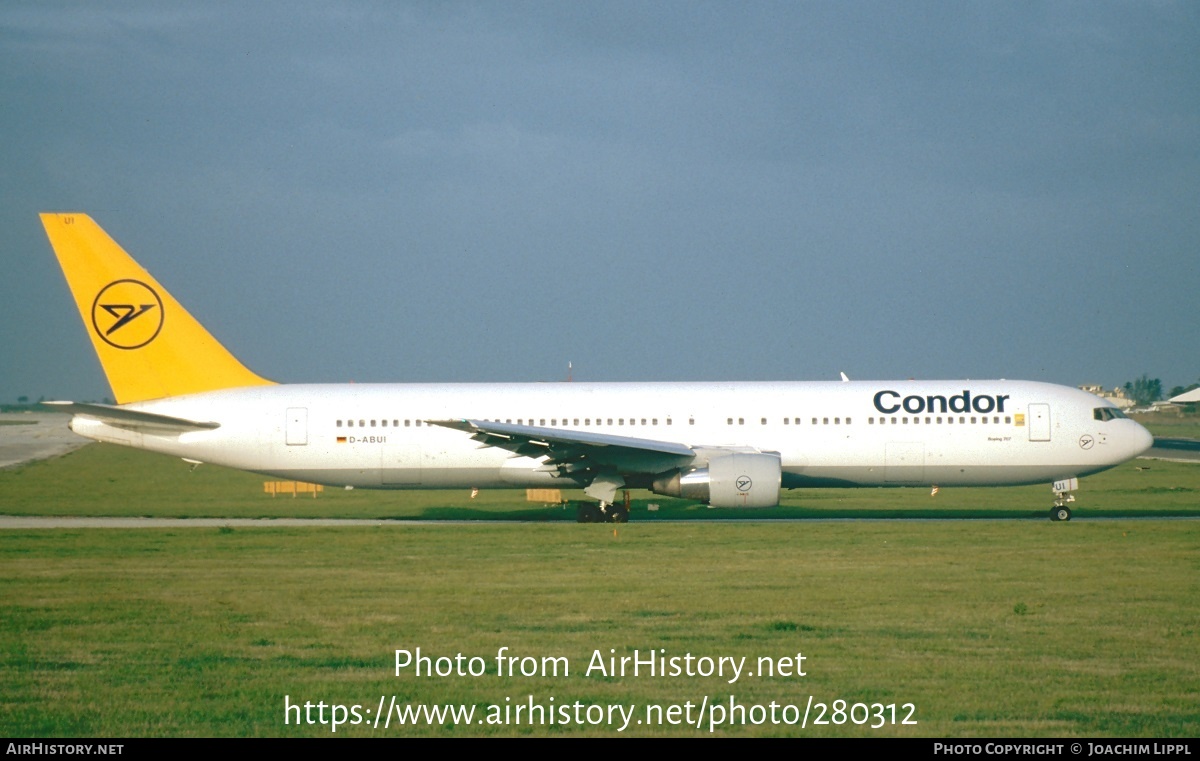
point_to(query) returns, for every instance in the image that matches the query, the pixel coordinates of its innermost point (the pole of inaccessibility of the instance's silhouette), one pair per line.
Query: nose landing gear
(1060, 513)
(1062, 498)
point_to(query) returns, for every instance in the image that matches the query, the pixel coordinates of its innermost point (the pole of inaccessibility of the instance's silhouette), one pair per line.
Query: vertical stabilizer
(148, 344)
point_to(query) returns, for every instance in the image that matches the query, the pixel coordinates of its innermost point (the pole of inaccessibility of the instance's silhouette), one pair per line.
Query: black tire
(618, 514)
(588, 512)
(1062, 513)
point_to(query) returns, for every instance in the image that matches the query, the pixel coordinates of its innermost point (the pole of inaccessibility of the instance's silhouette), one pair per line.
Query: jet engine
(736, 479)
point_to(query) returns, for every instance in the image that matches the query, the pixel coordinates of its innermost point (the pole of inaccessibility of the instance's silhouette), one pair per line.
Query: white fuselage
(861, 433)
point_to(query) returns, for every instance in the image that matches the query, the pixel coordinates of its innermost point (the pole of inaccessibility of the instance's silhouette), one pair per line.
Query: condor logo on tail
(127, 314)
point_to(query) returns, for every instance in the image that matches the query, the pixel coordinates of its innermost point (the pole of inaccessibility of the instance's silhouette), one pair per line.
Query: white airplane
(731, 445)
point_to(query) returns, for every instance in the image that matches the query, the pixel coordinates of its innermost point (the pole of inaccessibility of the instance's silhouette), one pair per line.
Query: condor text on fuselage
(960, 403)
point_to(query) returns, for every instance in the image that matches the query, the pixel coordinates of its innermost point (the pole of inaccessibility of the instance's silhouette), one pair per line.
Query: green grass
(101, 479)
(988, 628)
(1171, 425)
(991, 628)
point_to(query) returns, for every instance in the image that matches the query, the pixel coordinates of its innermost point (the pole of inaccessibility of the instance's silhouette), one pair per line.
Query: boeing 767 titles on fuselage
(180, 392)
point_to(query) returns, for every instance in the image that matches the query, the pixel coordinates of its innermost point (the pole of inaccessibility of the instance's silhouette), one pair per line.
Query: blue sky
(650, 190)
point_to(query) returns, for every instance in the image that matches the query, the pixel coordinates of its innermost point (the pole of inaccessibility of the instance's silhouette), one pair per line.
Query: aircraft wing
(578, 455)
(132, 420)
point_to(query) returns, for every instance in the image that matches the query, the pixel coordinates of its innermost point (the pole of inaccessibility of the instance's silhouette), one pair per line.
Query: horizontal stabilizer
(134, 420)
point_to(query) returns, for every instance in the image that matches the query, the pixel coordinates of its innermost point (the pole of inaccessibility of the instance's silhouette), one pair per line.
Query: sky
(445, 191)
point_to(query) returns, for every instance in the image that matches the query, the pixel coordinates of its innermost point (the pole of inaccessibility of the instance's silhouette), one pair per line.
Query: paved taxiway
(1178, 450)
(22, 522)
(26, 437)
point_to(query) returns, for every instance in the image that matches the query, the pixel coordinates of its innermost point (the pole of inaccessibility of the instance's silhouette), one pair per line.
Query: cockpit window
(1107, 413)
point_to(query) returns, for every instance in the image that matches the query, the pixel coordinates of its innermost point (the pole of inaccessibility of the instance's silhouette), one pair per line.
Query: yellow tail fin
(149, 346)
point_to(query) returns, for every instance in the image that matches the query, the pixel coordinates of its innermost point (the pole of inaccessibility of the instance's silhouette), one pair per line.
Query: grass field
(1172, 424)
(101, 479)
(999, 628)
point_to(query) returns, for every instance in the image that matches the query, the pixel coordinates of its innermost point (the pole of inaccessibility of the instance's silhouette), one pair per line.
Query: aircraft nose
(1141, 440)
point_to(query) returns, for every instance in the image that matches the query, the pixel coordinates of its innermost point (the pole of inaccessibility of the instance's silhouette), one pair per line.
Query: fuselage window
(928, 420)
(847, 421)
(785, 420)
(972, 421)
(837, 421)
(764, 421)
(1007, 420)
(610, 421)
(643, 421)
(825, 421)
(339, 425)
(362, 424)
(916, 420)
(383, 423)
(904, 420)
(728, 421)
(540, 422)
(372, 423)
(814, 421)
(741, 421)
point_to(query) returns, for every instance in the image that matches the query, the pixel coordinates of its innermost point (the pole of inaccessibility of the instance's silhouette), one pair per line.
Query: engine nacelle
(737, 479)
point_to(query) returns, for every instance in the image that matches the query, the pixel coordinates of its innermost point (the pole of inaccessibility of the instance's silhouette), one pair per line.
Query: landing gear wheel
(588, 512)
(1060, 513)
(618, 514)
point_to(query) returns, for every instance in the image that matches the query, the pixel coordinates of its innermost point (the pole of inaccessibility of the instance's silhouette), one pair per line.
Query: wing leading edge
(601, 463)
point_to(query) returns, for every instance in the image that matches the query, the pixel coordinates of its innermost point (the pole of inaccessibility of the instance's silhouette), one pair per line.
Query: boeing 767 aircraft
(180, 392)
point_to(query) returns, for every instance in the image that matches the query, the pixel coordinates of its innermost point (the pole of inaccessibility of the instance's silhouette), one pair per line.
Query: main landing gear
(599, 512)
(603, 512)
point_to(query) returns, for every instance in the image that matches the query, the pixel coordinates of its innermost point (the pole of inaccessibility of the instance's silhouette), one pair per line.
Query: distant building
(1187, 397)
(1116, 396)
